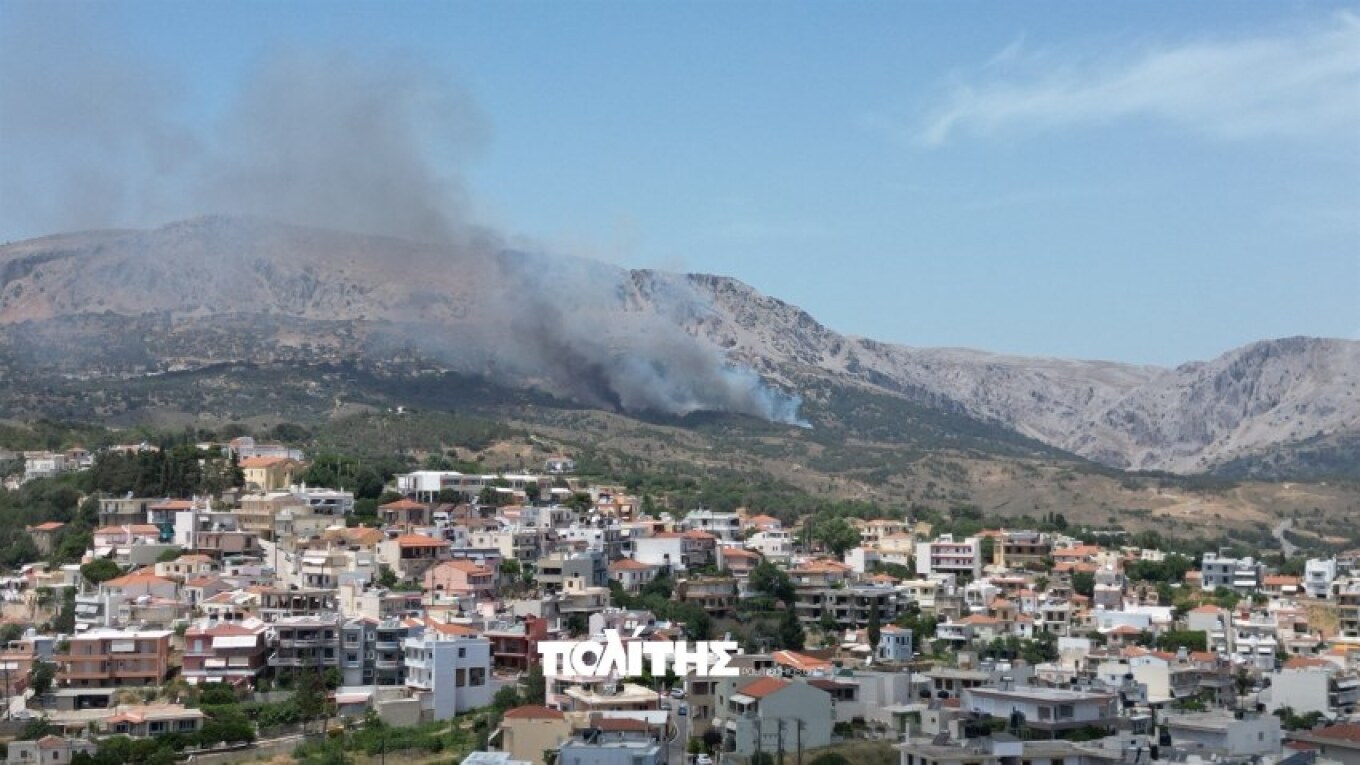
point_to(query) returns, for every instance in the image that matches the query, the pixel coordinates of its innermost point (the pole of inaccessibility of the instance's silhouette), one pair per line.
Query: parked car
(703, 759)
(677, 693)
(683, 710)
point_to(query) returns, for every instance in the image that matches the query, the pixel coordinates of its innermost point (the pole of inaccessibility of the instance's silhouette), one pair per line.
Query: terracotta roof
(138, 578)
(762, 687)
(628, 564)
(402, 504)
(534, 712)
(1305, 662)
(1206, 609)
(263, 462)
(135, 528)
(1281, 580)
(417, 540)
(49, 526)
(737, 552)
(465, 565)
(449, 629)
(799, 661)
(1124, 629)
(698, 534)
(1343, 732)
(174, 504)
(359, 535)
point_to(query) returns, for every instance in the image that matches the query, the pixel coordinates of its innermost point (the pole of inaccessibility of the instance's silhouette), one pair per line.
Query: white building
(448, 668)
(1223, 734)
(1318, 575)
(947, 556)
(724, 526)
(1242, 575)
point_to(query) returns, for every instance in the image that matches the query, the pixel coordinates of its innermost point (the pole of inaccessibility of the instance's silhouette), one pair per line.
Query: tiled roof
(762, 687)
(534, 712)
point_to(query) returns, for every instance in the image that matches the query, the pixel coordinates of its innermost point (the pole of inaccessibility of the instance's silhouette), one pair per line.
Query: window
(477, 676)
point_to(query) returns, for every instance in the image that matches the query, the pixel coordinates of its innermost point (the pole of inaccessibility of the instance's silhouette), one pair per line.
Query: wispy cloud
(1304, 84)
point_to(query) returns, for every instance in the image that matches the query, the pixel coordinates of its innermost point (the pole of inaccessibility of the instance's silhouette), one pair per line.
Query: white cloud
(1301, 85)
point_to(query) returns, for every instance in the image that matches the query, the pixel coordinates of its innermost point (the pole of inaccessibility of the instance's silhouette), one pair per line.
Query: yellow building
(269, 473)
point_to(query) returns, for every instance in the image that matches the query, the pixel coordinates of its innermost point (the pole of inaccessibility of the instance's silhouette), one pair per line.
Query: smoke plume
(96, 137)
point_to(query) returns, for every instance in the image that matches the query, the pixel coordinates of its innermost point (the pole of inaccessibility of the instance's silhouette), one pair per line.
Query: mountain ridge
(200, 291)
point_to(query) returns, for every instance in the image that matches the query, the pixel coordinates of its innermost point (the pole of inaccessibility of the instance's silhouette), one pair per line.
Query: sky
(1141, 182)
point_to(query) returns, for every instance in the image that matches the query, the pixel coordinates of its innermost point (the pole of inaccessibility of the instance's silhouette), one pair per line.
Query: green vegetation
(657, 596)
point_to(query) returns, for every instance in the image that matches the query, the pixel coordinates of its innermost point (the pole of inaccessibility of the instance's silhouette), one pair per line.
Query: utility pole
(759, 740)
(799, 722)
(780, 724)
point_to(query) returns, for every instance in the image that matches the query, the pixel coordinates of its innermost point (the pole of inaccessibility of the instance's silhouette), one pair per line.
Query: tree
(836, 534)
(987, 547)
(791, 636)
(1084, 583)
(535, 686)
(40, 677)
(576, 624)
(1190, 640)
(169, 555)
(102, 570)
(773, 581)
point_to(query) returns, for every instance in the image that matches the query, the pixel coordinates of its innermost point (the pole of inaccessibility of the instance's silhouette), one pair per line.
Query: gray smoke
(93, 137)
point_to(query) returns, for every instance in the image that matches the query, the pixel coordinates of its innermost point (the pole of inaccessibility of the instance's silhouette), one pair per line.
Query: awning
(235, 641)
(124, 646)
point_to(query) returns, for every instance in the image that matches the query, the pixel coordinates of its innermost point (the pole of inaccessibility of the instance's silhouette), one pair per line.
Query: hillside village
(277, 615)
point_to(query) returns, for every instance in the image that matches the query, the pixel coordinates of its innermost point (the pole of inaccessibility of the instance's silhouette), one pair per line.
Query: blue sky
(1143, 182)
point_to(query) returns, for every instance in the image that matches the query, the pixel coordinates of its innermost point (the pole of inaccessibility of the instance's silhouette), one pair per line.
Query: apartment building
(448, 668)
(306, 643)
(107, 658)
(225, 652)
(946, 555)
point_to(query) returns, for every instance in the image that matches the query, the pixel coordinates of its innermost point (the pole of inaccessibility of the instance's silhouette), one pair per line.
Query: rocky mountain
(216, 289)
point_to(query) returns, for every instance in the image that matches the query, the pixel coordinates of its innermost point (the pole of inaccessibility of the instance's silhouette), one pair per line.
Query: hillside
(106, 306)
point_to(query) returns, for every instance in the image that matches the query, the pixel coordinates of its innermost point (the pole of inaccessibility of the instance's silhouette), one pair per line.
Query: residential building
(615, 741)
(894, 644)
(946, 555)
(631, 574)
(153, 720)
(411, 556)
(448, 668)
(770, 714)
(1022, 549)
(461, 578)
(106, 658)
(717, 595)
(1318, 575)
(1224, 734)
(724, 526)
(1314, 685)
(306, 644)
(48, 750)
(529, 731)
(225, 652)
(266, 474)
(514, 647)
(1241, 575)
(1048, 710)
(44, 536)
(590, 568)
(1337, 743)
